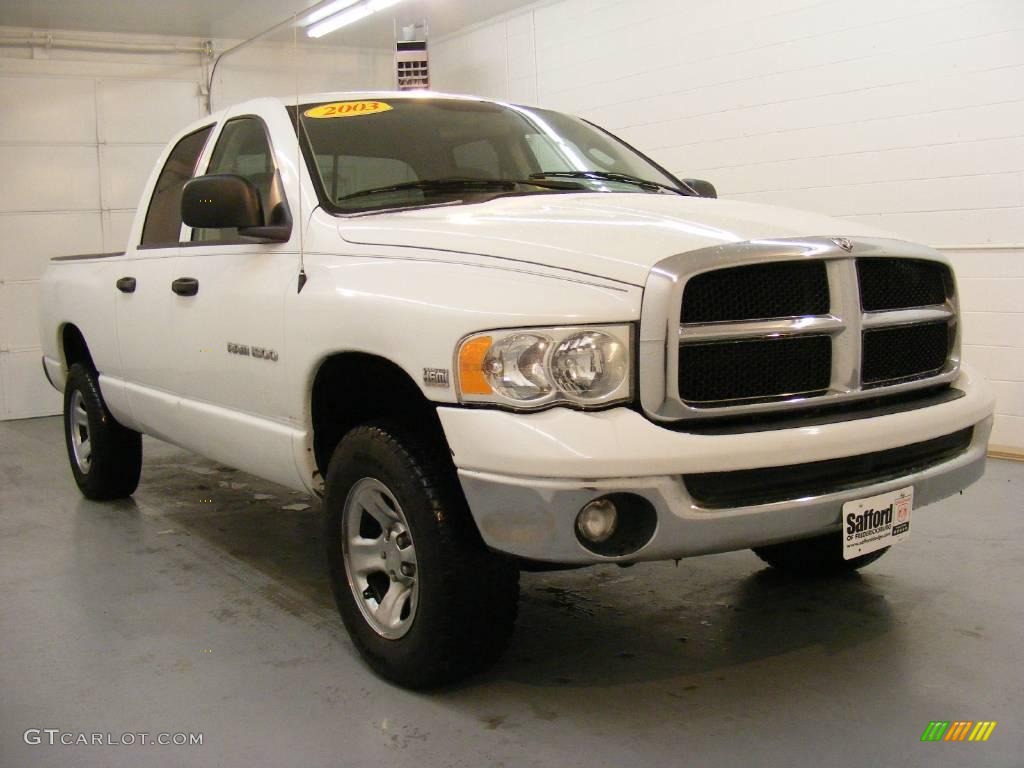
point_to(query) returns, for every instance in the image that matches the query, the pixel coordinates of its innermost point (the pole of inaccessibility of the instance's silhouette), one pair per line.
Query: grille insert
(720, 373)
(750, 487)
(901, 283)
(757, 292)
(904, 353)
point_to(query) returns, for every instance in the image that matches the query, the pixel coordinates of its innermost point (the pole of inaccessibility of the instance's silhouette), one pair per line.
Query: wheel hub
(81, 439)
(392, 556)
(380, 559)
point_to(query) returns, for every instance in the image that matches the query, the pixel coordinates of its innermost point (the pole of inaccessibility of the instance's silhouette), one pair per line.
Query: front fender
(414, 312)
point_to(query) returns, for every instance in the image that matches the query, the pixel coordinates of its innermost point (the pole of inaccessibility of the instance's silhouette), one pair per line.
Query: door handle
(126, 285)
(185, 286)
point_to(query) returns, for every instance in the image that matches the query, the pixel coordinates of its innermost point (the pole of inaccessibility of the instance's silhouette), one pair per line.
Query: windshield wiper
(651, 186)
(456, 184)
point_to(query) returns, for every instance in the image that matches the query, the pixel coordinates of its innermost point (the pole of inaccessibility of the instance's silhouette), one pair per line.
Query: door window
(244, 150)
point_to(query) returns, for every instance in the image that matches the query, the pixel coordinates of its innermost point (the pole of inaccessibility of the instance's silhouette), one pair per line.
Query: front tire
(820, 556)
(425, 602)
(106, 457)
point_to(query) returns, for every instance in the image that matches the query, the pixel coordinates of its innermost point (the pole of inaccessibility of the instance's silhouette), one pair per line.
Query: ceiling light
(348, 15)
(326, 10)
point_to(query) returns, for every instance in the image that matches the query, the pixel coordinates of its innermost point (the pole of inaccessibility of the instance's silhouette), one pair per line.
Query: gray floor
(201, 606)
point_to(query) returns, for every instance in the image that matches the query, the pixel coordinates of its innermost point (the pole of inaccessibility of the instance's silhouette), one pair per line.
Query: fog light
(597, 521)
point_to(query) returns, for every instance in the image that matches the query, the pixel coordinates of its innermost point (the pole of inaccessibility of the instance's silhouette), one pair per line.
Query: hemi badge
(435, 377)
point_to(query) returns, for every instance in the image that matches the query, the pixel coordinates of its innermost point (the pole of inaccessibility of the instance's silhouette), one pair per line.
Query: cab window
(163, 218)
(244, 150)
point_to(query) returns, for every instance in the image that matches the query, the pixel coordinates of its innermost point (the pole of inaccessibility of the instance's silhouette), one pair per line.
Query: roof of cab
(390, 95)
(327, 96)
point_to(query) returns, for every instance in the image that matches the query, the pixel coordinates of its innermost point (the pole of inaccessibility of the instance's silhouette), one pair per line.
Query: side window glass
(163, 218)
(244, 150)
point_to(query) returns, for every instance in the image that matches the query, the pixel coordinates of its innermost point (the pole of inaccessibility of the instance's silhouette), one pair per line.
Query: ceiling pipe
(50, 41)
(291, 21)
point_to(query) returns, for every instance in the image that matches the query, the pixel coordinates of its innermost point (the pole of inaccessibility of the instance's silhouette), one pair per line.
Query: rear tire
(425, 602)
(820, 556)
(105, 457)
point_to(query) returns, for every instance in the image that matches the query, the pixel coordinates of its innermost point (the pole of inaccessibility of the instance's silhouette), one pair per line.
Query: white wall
(282, 70)
(79, 133)
(908, 114)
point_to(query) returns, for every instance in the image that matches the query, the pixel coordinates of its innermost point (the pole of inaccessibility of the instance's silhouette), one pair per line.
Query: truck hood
(618, 236)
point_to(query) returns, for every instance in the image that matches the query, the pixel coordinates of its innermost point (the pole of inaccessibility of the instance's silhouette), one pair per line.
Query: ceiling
(239, 19)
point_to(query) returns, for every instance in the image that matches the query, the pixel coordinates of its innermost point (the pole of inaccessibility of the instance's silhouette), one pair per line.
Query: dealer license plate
(876, 522)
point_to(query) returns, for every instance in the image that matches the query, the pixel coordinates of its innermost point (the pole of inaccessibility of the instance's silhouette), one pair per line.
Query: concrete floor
(201, 605)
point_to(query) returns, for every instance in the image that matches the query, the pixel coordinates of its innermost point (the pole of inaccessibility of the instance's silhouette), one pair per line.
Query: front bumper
(527, 476)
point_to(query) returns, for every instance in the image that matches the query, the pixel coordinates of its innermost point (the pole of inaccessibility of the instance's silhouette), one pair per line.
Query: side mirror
(701, 187)
(222, 200)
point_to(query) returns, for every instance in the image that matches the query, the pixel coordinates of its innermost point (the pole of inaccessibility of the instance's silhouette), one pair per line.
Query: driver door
(229, 318)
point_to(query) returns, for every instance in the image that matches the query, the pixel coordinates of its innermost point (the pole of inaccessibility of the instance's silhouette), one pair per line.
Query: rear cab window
(163, 217)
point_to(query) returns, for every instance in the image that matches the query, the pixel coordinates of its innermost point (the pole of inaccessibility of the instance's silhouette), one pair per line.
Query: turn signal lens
(472, 380)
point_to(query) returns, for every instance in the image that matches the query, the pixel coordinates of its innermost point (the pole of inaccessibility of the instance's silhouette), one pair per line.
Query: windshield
(404, 152)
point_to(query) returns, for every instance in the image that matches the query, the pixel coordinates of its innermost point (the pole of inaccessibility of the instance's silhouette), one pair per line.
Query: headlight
(535, 367)
(591, 364)
(514, 367)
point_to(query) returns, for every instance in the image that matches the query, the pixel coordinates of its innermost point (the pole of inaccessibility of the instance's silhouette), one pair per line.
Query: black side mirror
(701, 187)
(222, 200)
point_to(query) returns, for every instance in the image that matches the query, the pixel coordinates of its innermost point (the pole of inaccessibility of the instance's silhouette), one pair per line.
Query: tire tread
(476, 606)
(116, 450)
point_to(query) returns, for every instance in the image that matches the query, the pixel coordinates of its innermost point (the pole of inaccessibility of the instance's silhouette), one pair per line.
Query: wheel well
(75, 349)
(355, 388)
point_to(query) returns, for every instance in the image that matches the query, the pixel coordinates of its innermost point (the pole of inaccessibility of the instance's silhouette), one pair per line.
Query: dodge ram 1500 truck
(495, 338)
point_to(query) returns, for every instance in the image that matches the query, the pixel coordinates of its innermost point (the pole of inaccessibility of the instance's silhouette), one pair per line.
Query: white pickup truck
(497, 338)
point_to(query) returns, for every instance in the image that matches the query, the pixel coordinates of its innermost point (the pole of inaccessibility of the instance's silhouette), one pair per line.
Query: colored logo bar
(958, 730)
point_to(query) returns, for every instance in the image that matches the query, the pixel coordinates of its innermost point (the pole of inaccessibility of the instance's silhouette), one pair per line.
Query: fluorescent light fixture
(348, 14)
(327, 10)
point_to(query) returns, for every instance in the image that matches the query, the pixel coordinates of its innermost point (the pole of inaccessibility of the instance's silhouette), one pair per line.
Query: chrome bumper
(533, 517)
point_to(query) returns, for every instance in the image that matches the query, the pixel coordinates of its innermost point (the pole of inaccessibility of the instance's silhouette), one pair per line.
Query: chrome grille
(785, 324)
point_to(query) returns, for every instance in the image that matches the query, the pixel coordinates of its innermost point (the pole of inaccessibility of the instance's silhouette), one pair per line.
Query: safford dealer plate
(876, 522)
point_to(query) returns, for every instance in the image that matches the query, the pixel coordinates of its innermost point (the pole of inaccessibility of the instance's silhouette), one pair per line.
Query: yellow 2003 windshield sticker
(348, 109)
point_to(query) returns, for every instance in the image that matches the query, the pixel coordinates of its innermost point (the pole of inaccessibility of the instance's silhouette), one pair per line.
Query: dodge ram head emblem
(844, 243)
